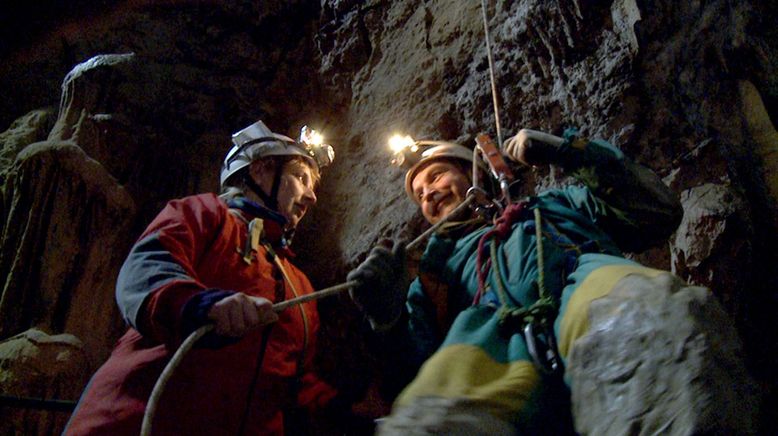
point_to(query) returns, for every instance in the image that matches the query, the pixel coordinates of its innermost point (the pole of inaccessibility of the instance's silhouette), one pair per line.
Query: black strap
(276, 186)
(253, 384)
(260, 193)
(271, 200)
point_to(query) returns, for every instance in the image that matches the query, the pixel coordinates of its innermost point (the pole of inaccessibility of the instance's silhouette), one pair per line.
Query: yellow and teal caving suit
(464, 352)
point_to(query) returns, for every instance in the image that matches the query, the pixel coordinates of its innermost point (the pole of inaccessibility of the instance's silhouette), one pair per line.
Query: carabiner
(550, 363)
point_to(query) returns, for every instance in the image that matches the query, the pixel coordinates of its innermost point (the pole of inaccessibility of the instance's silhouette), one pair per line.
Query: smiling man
(498, 304)
(438, 188)
(223, 260)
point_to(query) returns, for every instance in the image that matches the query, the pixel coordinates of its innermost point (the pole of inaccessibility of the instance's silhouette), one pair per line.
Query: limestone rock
(711, 245)
(114, 107)
(63, 240)
(32, 127)
(36, 365)
(661, 357)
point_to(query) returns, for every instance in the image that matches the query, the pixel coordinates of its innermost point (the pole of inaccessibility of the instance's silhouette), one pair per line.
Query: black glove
(382, 286)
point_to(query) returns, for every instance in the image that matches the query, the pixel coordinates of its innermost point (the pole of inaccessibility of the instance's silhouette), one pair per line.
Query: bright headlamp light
(409, 152)
(405, 150)
(313, 143)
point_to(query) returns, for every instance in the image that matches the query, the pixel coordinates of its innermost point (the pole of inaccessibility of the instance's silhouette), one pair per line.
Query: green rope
(543, 310)
(501, 293)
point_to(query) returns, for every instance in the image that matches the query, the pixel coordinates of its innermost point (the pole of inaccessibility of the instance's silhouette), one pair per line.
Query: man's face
(439, 188)
(295, 190)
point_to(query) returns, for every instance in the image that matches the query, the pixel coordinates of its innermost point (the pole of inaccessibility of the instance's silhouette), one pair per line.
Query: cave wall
(687, 89)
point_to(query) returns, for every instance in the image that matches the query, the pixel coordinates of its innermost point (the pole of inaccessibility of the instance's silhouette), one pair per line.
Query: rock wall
(148, 93)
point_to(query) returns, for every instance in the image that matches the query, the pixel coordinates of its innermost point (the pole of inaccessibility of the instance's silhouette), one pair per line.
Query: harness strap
(295, 292)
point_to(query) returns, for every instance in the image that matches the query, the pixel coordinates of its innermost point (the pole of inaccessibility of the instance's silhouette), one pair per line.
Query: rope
(514, 318)
(159, 387)
(186, 346)
(465, 203)
(541, 263)
(491, 75)
(501, 228)
(542, 310)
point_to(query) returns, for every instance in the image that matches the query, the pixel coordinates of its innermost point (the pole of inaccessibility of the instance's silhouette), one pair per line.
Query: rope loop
(500, 231)
(514, 319)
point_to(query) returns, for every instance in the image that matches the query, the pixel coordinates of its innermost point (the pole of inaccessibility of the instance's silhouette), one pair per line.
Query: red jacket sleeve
(159, 276)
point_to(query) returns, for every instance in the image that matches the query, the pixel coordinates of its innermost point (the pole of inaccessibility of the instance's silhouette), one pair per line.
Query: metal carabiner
(550, 363)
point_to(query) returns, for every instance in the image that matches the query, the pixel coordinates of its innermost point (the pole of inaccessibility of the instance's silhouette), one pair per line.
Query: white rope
(491, 75)
(466, 202)
(159, 387)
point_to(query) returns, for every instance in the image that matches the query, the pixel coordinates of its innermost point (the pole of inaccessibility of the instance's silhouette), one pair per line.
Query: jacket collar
(274, 222)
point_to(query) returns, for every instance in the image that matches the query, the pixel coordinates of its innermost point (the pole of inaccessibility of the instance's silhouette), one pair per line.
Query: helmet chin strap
(271, 201)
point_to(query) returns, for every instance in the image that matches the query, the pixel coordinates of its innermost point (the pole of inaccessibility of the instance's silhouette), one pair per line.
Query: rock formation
(662, 358)
(36, 365)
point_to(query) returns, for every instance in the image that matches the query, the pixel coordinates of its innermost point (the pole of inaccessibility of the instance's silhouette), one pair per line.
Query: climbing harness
(536, 321)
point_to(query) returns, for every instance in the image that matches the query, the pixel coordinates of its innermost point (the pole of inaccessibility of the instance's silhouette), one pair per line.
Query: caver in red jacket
(191, 255)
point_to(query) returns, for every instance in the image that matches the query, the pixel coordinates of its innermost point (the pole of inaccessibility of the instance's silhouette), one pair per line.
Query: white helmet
(257, 141)
(423, 152)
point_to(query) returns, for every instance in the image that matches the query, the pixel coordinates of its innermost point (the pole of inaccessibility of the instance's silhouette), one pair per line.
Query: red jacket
(195, 247)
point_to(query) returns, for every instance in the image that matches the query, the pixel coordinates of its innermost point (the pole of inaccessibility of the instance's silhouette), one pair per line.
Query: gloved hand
(233, 314)
(382, 287)
(239, 314)
(533, 148)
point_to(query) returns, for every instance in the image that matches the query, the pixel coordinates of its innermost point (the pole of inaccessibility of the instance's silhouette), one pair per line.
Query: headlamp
(408, 152)
(405, 150)
(313, 143)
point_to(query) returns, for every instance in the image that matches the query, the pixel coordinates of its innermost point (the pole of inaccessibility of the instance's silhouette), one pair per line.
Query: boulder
(661, 357)
(36, 365)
